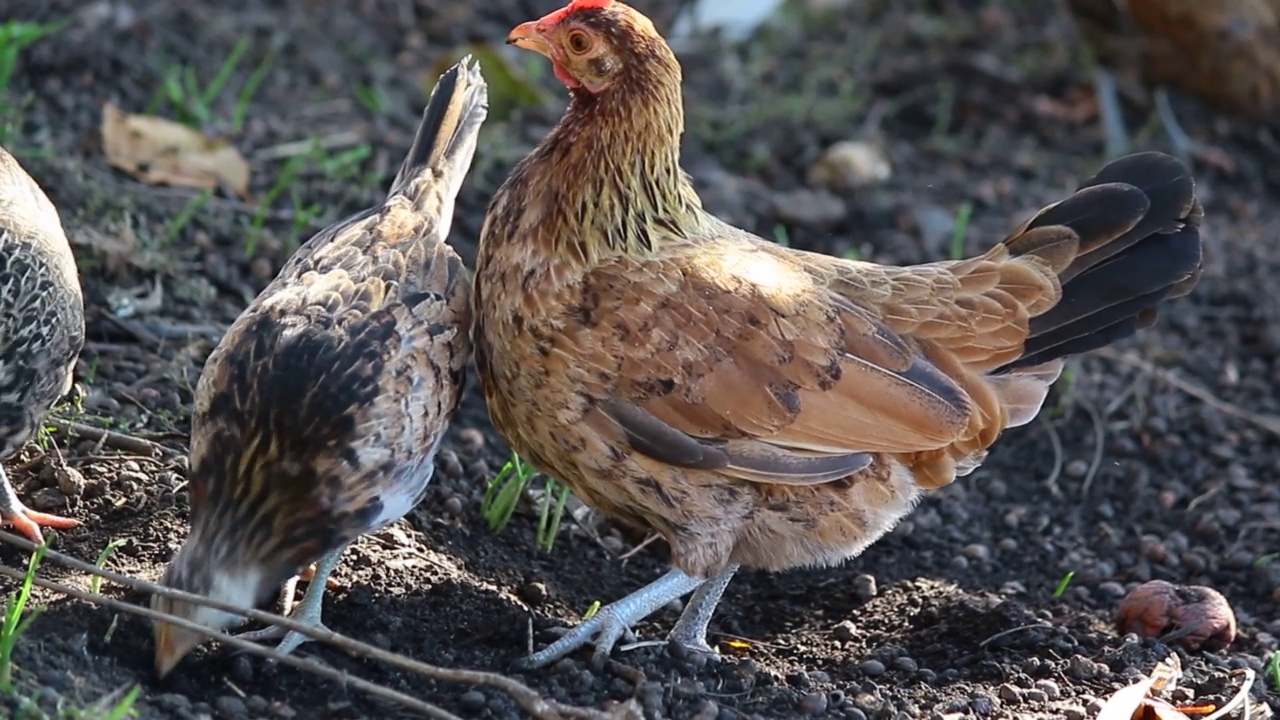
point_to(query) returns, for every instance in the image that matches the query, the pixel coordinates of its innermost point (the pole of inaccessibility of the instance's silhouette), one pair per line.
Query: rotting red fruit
(1193, 616)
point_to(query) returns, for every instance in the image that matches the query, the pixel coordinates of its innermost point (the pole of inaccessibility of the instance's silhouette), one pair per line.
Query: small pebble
(814, 703)
(472, 700)
(1074, 712)
(230, 706)
(977, 552)
(1007, 545)
(70, 481)
(864, 587)
(872, 668)
(257, 705)
(472, 439)
(453, 506)
(1081, 668)
(48, 500)
(1076, 469)
(905, 664)
(867, 702)
(845, 631)
(1009, 693)
(1035, 696)
(850, 164)
(242, 669)
(982, 705)
(1049, 688)
(707, 710)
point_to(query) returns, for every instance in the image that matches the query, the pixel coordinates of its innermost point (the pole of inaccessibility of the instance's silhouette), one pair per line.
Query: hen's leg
(691, 629)
(1183, 145)
(27, 522)
(614, 620)
(307, 611)
(1110, 113)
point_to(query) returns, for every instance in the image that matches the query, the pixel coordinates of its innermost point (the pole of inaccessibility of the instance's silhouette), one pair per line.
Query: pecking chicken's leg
(27, 522)
(307, 611)
(691, 629)
(615, 619)
(1110, 113)
(1183, 145)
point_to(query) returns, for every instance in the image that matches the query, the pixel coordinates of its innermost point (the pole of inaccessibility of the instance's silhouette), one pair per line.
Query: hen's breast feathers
(336, 381)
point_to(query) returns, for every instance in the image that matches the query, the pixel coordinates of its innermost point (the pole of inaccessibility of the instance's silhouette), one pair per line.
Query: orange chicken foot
(27, 522)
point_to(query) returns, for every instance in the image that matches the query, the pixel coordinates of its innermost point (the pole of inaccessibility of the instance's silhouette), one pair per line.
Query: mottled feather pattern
(41, 307)
(318, 416)
(710, 385)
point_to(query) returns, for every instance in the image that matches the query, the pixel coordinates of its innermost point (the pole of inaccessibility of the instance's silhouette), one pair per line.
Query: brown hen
(1225, 52)
(753, 404)
(318, 416)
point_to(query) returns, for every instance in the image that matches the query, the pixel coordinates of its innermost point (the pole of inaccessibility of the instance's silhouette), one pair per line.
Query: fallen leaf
(160, 151)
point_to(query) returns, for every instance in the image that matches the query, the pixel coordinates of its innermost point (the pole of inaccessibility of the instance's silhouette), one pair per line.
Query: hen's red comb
(574, 6)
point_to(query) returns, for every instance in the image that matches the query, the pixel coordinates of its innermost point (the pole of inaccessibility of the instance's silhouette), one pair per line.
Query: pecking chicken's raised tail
(446, 139)
(1136, 244)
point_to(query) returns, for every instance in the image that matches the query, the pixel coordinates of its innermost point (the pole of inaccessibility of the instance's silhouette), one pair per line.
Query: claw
(24, 521)
(307, 611)
(613, 621)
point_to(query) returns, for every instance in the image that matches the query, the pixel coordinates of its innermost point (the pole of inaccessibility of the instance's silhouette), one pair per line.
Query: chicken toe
(606, 627)
(24, 521)
(690, 630)
(1111, 114)
(307, 611)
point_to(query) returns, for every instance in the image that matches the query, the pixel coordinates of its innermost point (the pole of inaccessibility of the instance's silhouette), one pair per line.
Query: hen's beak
(172, 644)
(526, 36)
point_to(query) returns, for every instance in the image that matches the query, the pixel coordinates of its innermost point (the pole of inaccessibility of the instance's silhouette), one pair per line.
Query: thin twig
(301, 663)
(525, 696)
(111, 438)
(1011, 631)
(1241, 697)
(1270, 423)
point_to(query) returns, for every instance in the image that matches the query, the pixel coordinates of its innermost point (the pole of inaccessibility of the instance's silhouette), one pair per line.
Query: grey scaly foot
(690, 630)
(614, 620)
(1110, 113)
(307, 611)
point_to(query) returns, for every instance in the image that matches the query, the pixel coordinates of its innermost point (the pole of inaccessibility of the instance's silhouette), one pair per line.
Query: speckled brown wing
(1225, 52)
(735, 355)
(321, 408)
(318, 416)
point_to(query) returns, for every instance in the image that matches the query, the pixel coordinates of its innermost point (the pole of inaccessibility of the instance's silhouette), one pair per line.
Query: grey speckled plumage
(318, 416)
(41, 326)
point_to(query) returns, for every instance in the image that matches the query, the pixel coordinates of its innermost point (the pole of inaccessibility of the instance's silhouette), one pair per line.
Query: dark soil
(1126, 477)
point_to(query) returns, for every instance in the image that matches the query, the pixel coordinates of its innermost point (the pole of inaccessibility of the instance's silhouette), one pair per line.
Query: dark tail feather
(1138, 221)
(446, 137)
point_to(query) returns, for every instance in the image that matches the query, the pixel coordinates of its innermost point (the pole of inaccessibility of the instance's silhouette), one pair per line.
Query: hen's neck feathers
(607, 180)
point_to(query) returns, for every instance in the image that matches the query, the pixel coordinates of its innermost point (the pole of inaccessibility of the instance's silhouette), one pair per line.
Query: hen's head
(594, 45)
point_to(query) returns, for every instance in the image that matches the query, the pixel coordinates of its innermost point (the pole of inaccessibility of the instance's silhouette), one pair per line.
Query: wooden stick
(525, 696)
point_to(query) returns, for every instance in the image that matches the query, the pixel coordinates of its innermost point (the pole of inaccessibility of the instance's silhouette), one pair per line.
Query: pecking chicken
(753, 404)
(41, 327)
(318, 416)
(1226, 52)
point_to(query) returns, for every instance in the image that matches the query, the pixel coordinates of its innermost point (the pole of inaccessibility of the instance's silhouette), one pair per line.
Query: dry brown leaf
(160, 151)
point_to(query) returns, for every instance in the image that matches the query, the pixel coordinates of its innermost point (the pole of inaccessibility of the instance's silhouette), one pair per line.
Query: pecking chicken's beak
(526, 36)
(172, 644)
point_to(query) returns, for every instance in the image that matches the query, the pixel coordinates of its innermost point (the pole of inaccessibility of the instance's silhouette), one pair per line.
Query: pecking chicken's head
(594, 45)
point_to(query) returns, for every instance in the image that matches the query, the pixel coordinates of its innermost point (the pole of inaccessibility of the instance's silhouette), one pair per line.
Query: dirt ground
(1126, 478)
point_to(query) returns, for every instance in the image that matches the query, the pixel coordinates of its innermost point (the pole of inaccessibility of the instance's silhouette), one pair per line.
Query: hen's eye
(579, 42)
